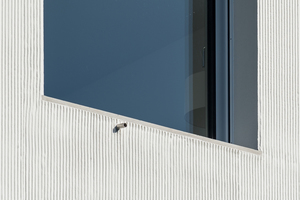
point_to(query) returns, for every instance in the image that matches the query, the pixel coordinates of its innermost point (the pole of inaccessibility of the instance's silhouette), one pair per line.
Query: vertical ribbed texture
(278, 92)
(51, 151)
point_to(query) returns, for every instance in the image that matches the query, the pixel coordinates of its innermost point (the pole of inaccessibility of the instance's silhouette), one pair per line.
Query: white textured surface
(54, 151)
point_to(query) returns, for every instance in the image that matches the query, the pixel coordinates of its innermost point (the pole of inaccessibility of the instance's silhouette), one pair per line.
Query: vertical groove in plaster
(51, 151)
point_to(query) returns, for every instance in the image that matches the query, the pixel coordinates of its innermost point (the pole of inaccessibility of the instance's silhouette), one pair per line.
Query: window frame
(236, 72)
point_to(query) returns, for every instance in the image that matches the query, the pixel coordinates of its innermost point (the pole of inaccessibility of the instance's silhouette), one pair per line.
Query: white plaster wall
(54, 150)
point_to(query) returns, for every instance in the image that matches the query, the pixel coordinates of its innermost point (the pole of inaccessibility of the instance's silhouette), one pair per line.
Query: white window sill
(163, 128)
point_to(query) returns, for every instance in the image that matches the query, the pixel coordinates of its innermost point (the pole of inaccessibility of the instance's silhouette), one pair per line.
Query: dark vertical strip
(229, 70)
(211, 69)
(198, 112)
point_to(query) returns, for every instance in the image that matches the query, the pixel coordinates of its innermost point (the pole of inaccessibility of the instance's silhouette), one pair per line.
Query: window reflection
(196, 69)
(139, 58)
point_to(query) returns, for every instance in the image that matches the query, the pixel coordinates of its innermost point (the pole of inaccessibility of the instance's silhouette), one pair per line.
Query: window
(165, 62)
(236, 57)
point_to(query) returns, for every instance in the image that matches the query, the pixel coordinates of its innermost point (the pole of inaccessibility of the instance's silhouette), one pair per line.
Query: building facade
(51, 149)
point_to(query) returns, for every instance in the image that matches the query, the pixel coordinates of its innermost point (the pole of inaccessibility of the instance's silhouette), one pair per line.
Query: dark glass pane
(139, 58)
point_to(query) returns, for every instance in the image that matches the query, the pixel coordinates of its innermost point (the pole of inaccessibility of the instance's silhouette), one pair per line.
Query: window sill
(163, 128)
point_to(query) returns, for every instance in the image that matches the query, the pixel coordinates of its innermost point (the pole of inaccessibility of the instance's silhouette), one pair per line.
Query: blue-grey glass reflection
(138, 58)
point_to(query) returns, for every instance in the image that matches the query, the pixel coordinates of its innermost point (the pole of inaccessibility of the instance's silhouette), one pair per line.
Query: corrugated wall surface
(54, 151)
